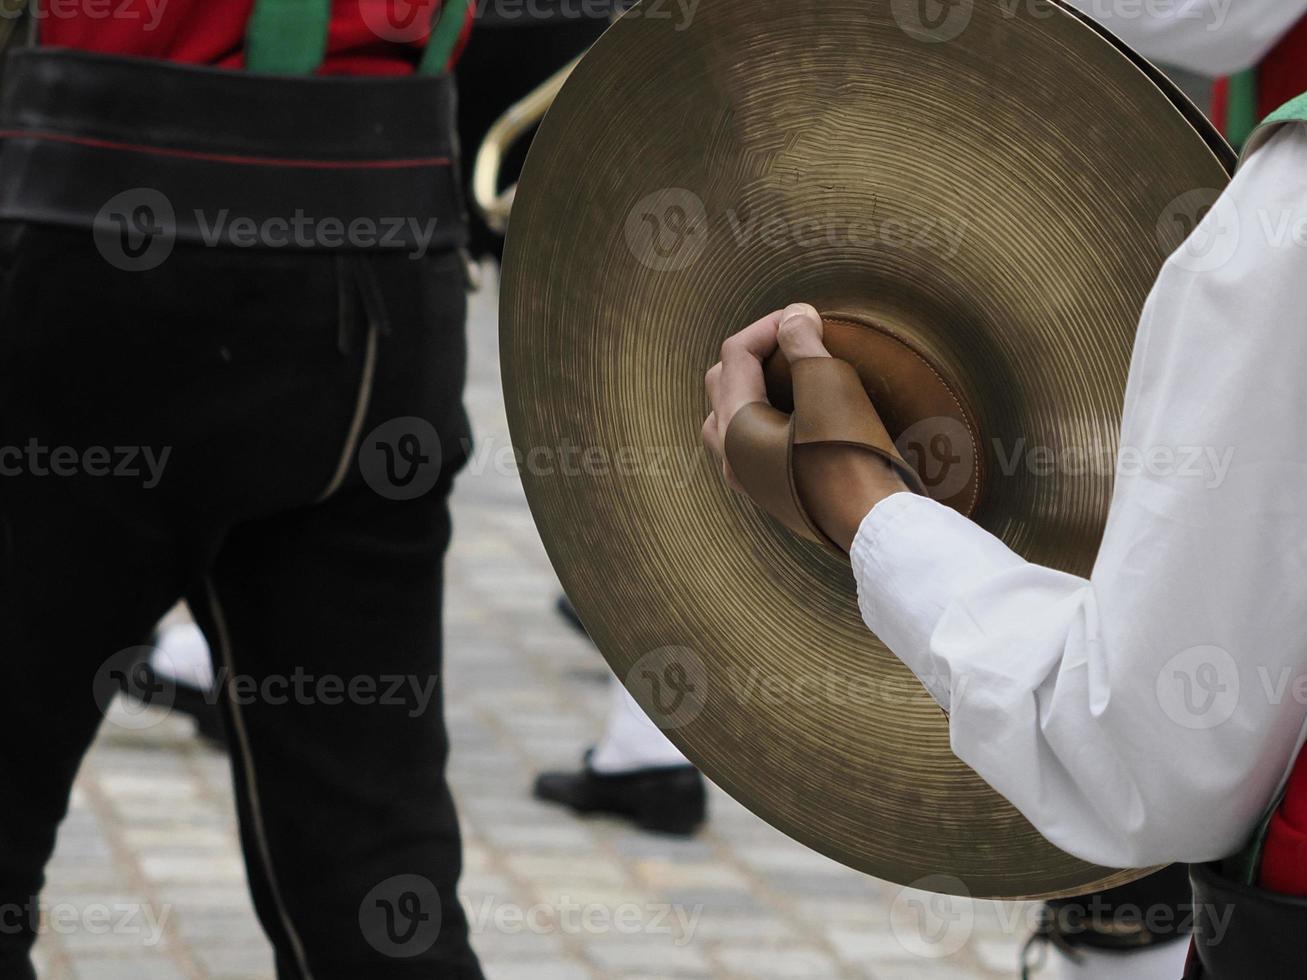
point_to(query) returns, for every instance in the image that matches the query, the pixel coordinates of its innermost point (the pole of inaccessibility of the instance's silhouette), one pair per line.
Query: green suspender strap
(1294, 111)
(1241, 107)
(289, 37)
(444, 37)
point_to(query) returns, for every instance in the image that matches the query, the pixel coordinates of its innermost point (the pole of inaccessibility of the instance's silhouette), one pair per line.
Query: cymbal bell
(997, 191)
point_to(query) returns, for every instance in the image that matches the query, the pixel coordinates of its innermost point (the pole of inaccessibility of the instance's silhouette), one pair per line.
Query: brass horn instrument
(518, 120)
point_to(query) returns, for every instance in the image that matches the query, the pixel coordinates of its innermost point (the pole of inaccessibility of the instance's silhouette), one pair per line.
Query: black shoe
(666, 800)
(200, 705)
(162, 689)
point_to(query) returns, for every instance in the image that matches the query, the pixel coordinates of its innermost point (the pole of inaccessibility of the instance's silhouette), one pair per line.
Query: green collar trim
(1294, 111)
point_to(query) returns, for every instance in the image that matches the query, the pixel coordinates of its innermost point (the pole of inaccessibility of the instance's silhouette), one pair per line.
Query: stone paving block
(782, 963)
(1001, 956)
(497, 969)
(219, 926)
(231, 962)
(127, 968)
(663, 959)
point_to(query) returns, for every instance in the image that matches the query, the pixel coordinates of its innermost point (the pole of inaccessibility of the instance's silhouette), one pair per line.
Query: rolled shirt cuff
(911, 557)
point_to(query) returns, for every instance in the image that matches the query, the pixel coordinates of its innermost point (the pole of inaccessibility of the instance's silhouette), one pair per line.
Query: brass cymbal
(997, 187)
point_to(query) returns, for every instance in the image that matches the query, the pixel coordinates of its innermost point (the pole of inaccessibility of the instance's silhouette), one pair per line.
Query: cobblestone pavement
(147, 883)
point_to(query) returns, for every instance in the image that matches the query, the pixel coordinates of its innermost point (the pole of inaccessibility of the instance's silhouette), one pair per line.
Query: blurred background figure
(514, 47)
(634, 772)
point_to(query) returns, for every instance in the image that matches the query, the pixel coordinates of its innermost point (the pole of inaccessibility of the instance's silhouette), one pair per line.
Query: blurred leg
(631, 741)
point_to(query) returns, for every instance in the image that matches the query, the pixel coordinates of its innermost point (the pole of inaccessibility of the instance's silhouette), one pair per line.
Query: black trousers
(272, 435)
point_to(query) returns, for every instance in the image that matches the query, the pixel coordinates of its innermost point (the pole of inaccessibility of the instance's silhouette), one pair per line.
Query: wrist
(839, 485)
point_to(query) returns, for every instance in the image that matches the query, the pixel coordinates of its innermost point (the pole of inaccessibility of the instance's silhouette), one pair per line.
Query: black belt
(238, 159)
(1242, 932)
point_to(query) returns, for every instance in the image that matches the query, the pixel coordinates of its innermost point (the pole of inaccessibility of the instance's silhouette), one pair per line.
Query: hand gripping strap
(830, 407)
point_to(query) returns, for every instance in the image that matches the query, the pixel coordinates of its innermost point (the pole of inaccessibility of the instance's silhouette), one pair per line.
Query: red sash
(367, 37)
(1281, 76)
(1284, 855)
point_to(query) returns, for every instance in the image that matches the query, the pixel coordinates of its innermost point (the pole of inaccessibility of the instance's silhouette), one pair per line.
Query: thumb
(800, 333)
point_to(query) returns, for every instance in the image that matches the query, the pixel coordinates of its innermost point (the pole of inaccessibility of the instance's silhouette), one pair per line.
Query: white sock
(182, 654)
(631, 741)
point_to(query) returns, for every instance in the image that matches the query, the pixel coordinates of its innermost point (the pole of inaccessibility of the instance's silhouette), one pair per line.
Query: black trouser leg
(266, 378)
(79, 587)
(325, 629)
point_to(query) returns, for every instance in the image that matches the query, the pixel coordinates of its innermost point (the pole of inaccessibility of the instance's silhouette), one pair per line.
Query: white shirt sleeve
(1149, 713)
(1211, 37)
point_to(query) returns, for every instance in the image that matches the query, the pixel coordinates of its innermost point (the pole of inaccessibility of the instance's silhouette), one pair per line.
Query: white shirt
(1211, 37)
(1150, 713)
